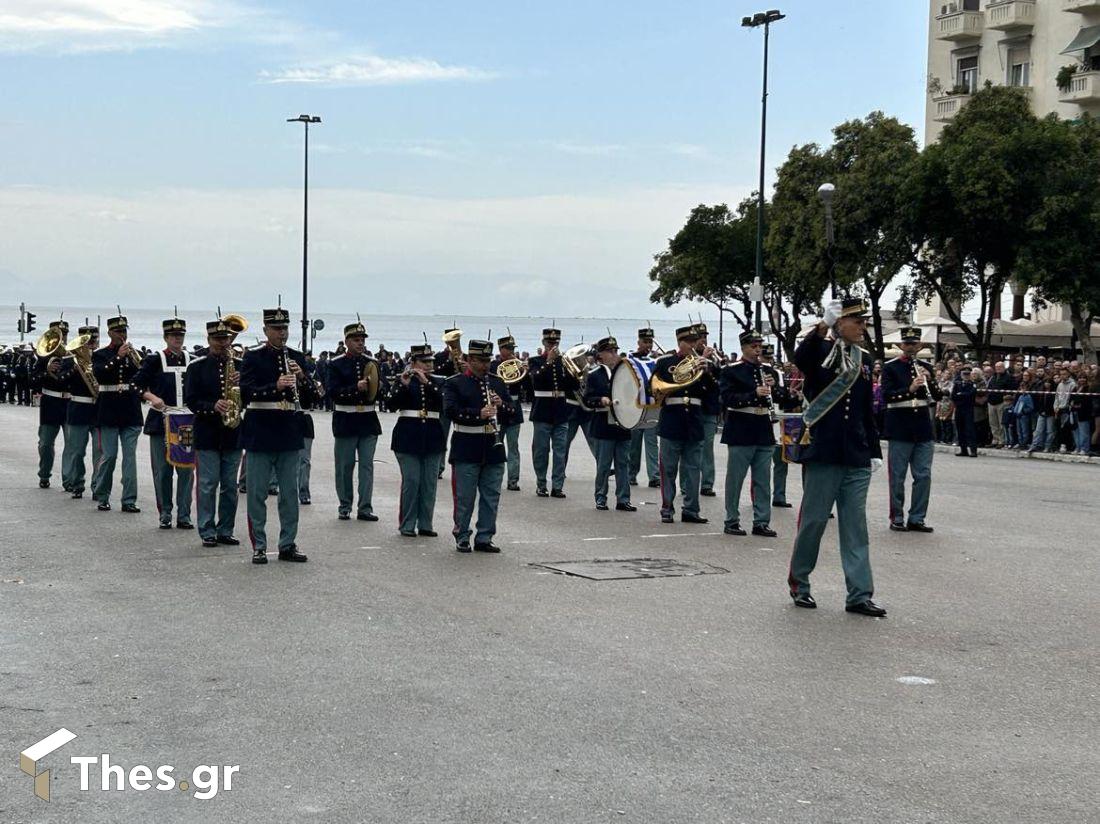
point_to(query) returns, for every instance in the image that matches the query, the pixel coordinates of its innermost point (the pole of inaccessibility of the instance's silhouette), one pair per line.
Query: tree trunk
(876, 319)
(1082, 326)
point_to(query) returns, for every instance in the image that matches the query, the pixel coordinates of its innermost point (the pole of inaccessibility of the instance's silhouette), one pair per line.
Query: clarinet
(490, 395)
(286, 371)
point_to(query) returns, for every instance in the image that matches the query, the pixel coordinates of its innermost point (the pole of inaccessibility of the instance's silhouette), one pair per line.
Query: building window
(966, 74)
(1019, 67)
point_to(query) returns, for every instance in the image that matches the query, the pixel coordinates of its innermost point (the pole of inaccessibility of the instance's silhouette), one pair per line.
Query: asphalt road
(394, 680)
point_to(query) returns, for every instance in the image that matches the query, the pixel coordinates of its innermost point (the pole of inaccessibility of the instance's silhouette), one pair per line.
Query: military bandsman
(712, 412)
(749, 391)
(842, 453)
(417, 441)
(274, 383)
(550, 414)
(353, 385)
(645, 438)
(681, 432)
(82, 415)
(789, 400)
(52, 409)
(160, 381)
(211, 390)
(612, 442)
(506, 346)
(910, 392)
(480, 406)
(115, 366)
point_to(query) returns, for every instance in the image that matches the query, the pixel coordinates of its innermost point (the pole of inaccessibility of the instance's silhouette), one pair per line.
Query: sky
(505, 157)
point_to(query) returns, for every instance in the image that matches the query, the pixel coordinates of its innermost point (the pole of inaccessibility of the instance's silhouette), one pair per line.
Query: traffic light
(29, 325)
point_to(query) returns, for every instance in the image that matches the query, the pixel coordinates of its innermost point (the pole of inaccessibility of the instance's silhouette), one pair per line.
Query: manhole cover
(609, 569)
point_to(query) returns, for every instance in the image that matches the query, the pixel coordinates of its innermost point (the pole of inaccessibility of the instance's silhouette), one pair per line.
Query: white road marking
(679, 534)
(915, 680)
(615, 538)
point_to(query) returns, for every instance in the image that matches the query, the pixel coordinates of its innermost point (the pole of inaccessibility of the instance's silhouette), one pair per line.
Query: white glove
(832, 313)
(876, 465)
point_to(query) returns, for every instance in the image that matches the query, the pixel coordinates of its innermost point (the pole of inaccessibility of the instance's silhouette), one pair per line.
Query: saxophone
(231, 418)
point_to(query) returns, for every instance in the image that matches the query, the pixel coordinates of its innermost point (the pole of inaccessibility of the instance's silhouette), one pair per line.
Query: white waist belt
(547, 393)
(684, 402)
(81, 399)
(53, 393)
(474, 430)
(572, 402)
(343, 407)
(115, 387)
(417, 413)
(751, 410)
(278, 406)
(916, 403)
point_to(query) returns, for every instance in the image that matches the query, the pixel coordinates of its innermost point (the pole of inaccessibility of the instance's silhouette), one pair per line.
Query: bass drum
(632, 405)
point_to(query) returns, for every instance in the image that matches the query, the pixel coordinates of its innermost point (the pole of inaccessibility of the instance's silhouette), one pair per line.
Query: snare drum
(631, 403)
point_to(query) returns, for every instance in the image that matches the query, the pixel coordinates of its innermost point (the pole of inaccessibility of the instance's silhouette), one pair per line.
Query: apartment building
(1049, 47)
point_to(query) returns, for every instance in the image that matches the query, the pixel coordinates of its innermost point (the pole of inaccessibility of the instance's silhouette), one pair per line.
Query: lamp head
(826, 191)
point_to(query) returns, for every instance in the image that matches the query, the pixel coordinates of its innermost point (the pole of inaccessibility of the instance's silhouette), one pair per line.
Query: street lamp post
(305, 120)
(765, 19)
(826, 191)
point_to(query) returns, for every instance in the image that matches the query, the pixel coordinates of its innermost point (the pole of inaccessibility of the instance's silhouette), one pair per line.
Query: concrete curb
(1014, 454)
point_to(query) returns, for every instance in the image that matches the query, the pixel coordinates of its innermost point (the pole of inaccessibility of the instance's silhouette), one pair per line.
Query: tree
(711, 260)
(1061, 259)
(967, 203)
(872, 160)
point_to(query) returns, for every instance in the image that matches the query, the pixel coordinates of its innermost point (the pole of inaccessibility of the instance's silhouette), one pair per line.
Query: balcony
(1081, 5)
(1084, 88)
(945, 107)
(959, 25)
(1010, 14)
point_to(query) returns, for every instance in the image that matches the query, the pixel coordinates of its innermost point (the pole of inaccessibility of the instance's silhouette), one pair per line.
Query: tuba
(453, 339)
(683, 374)
(236, 323)
(51, 344)
(78, 348)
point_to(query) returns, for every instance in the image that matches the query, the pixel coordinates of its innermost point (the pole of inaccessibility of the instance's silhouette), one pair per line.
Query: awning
(1088, 37)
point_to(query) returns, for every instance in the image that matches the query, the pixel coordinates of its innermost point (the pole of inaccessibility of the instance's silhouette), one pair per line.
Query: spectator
(1042, 397)
(963, 393)
(999, 379)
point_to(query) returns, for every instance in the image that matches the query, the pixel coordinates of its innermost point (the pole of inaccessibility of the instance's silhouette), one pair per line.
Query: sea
(394, 332)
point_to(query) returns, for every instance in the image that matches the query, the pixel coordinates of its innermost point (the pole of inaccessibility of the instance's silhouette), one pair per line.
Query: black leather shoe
(667, 519)
(259, 556)
(407, 534)
(165, 524)
(428, 533)
(626, 508)
(304, 502)
(104, 506)
(513, 486)
(464, 546)
(962, 455)
(228, 540)
(556, 493)
(489, 547)
(898, 527)
(184, 525)
(79, 494)
(292, 554)
(634, 482)
(602, 507)
(805, 600)
(654, 484)
(370, 517)
(782, 504)
(764, 531)
(542, 493)
(43, 483)
(869, 608)
(131, 508)
(209, 542)
(688, 518)
(919, 527)
(707, 493)
(736, 529)
(344, 516)
(273, 491)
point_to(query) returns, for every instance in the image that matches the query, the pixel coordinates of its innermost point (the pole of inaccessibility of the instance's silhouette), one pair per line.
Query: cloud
(373, 70)
(589, 149)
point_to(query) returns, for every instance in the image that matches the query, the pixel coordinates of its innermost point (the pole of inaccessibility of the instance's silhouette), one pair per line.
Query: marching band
(657, 410)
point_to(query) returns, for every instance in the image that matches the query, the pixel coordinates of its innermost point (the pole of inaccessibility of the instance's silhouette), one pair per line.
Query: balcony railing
(959, 25)
(1084, 88)
(1010, 14)
(1081, 5)
(945, 107)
